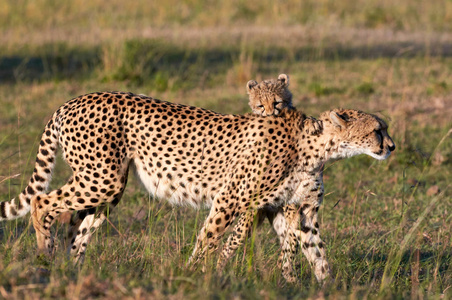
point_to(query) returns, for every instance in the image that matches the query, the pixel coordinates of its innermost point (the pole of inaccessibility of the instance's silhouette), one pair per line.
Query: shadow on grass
(415, 264)
(139, 59)
(49, 62)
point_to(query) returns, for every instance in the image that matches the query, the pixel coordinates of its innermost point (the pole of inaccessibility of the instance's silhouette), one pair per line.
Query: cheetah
(270, 96)
(236, 164)
(285, 219)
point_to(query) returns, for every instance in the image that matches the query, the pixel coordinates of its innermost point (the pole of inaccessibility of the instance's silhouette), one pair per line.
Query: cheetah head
(270, 96)
(361, 133)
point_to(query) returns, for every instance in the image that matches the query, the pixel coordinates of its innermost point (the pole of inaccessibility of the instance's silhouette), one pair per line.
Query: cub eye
(260, 106)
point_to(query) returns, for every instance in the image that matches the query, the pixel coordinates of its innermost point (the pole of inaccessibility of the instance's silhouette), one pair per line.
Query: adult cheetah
(187, 155)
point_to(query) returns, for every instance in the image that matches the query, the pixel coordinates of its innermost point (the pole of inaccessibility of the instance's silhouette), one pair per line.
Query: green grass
(403, 15)
(387, 232)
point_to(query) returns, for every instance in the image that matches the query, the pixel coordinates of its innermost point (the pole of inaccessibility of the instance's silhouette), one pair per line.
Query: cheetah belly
(170, 190)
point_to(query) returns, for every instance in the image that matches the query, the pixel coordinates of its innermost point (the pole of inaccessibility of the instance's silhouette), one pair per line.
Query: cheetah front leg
(296, 229)
(239, 234)
(280, 222)
(312, 246)
(305, 224)
(217, 222)
(284, 221)
(298, 225)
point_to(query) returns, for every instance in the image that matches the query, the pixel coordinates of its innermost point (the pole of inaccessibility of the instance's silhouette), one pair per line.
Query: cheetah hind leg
(46, 207)
(85, 225)
(42, 221)
(44, 210)
(82, 228)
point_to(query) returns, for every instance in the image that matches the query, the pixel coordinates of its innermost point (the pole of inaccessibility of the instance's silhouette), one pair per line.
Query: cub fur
(270, 96)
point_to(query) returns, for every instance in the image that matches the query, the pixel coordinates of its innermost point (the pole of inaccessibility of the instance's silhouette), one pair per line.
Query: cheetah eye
(260, 106)
(379, 134)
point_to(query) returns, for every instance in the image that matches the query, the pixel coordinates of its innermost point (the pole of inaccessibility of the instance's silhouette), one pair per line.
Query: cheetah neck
(316, 150)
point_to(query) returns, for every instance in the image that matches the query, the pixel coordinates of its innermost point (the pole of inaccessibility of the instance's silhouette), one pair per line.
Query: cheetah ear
(284, 79)
(338, 120)
(250, 84)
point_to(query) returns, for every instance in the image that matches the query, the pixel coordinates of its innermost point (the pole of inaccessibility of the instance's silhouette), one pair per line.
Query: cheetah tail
(42, 173)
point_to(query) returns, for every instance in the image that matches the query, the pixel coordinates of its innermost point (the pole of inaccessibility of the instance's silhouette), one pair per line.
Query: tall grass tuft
(395, 256)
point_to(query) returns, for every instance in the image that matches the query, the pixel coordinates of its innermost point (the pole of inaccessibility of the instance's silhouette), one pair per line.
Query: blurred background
(391, 58)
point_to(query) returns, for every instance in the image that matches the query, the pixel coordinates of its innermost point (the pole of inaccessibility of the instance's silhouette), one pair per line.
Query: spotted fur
(234, 164)
(345, 133)
(269, 98)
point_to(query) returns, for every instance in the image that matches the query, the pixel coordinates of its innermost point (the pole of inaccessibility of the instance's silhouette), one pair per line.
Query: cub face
(269, 97)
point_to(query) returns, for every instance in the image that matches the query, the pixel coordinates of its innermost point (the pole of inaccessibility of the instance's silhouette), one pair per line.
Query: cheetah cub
(271, 96)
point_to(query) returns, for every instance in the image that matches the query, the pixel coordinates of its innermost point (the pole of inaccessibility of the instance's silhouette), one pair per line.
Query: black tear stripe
(3, 210)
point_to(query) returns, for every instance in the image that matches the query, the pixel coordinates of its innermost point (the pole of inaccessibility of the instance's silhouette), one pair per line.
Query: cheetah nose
(392, 147)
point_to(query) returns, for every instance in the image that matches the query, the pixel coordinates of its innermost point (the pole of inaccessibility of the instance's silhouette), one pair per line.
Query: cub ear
(250, 84)
(338, 120)
(283, 78)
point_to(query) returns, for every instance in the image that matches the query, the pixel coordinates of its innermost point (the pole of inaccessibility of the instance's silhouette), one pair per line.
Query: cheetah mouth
(382, 154)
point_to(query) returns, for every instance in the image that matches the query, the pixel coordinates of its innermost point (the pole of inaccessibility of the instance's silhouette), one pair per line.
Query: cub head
(270, 96)
(361, 133)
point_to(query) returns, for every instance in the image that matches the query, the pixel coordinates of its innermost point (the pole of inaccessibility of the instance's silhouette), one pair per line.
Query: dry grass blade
(395, 256)
(4, 178)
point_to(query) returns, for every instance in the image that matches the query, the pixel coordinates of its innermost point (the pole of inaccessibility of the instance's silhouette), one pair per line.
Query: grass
(403, 15)
(386, 224)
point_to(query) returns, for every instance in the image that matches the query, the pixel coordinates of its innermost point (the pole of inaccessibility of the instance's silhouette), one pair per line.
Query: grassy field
(387, 225)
